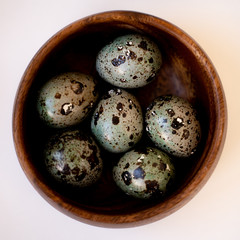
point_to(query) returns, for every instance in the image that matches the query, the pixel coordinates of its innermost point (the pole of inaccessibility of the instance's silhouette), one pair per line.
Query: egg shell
(66, 100)
(146, 173)
(117, 122)
(73, 158)
(172, 124)
(130, 61)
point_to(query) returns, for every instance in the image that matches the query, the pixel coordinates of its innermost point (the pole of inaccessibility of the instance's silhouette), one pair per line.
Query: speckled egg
(73, 158)
(117, 122)
(130, 61)
(172, 124)
(145, 173)
(66, 99)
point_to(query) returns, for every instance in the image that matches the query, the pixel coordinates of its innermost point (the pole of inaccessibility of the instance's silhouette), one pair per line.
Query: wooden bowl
(186, 72)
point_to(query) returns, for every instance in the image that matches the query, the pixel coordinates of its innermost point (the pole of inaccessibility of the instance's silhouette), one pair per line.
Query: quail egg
(146, 173)
(73, 158)
(117, 122)
(130, 61)
(172, 124)
(66, 99)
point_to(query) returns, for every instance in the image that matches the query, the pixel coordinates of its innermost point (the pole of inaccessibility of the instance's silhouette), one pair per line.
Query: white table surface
(214, 213)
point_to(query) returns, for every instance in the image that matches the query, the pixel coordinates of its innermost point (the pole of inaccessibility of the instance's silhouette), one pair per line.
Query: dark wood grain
(186, 72)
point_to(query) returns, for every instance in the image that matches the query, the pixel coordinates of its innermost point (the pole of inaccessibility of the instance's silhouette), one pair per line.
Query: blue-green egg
(66, 99)
(172, 124)
(145, 173)
(117, 122)
(130, 61)
(73, 158)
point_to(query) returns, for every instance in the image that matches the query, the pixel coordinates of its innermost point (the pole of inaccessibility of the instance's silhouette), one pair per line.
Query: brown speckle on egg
(185, 134)
(126, 177)
(143, 45)
(77, 87)
(126, 166)
(119, 107)
(132, 55)
(58, 95)
(150, 60)
(177, 123)
(170, 112)
(115, 120)
(152, 186)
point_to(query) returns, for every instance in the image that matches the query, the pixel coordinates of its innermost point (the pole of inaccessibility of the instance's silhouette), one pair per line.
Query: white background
(215, 211)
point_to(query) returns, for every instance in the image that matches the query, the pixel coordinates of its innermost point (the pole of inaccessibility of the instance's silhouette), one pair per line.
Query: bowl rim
(174, 202)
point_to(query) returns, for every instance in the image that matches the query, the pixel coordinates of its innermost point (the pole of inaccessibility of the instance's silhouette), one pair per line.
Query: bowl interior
(181, 74)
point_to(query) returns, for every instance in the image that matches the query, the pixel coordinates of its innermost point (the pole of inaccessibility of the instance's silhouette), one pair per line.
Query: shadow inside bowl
(180, 75)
